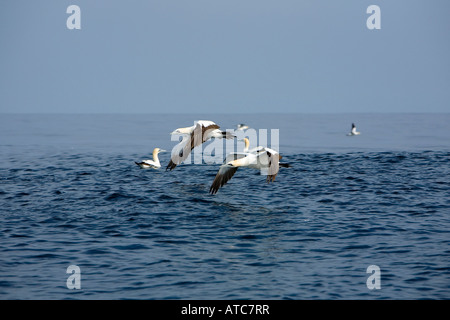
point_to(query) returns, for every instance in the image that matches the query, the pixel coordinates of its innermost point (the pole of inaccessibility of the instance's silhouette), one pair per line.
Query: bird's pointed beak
(161, 150)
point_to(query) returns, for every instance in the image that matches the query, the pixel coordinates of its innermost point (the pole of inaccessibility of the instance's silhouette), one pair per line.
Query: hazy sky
(224, 56)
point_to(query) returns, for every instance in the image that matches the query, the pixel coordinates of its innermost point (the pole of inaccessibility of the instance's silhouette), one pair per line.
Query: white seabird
(242, 126)
(193, 136)
(353, 132)
(154, 164)
(264, 159)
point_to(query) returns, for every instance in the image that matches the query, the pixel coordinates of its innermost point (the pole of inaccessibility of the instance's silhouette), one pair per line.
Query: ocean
(71, 194)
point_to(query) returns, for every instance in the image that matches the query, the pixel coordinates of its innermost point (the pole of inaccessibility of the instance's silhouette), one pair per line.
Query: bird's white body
(147, 164)
(154, 164)
(353, 132)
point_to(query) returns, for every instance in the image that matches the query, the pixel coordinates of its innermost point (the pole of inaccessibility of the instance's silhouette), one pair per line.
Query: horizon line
(220, 113)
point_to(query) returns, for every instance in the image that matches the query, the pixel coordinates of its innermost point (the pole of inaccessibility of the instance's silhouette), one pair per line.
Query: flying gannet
(258, 149)
(193, 136)
(155, 164)
(264, 159)
(242, 126)
(353, 132)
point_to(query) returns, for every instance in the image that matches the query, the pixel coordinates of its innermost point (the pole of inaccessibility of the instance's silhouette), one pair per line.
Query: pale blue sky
(224, 56)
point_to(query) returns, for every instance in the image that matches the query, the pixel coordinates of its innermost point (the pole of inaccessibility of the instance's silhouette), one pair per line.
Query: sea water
(71, 194)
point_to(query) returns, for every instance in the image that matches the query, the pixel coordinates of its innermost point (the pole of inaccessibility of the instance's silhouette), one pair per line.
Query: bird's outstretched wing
(179, 153)
(198, 136)
(224, 174)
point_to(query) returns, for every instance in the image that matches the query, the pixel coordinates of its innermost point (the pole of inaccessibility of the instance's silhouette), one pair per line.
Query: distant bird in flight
(353, 132)
(200, 132)
(154, 164)
(242, 126)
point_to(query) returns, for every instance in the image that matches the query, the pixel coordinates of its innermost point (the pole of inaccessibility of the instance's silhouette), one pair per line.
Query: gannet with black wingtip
(353, 132)
(154, 164)
(265, 159)
(200, 132)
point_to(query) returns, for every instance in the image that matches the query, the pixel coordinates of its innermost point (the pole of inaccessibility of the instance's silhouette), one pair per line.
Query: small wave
(131, 247)
(97, 251)
(118, 196)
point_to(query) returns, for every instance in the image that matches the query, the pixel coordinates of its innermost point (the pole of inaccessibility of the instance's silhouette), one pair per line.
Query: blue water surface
(71, 194)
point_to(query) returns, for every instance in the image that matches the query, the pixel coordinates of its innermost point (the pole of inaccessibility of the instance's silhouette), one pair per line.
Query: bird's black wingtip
(171, 166)
(228, 135)
(285, 165)
(213, 189)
